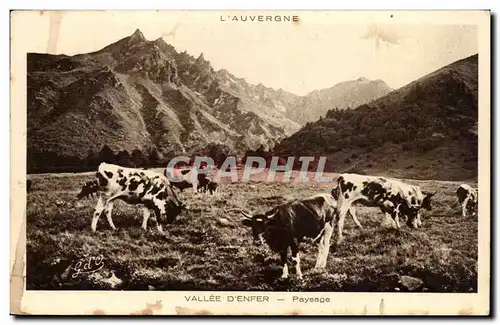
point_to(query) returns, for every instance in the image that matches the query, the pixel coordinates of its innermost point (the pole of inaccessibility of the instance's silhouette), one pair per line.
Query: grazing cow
(136, 186)
(28, 185)
(467, 198)
(286, 225)
(183, 178)
(88, 190)
(395, 198)
(190, 178)
(206, 185)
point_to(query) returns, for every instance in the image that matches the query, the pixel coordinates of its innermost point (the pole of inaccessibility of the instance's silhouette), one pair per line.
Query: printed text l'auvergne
(259, 18)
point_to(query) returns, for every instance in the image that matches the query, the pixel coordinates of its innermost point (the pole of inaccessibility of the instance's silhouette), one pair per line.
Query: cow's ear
(247, 222)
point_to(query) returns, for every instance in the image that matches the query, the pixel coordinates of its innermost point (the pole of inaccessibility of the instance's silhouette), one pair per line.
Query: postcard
(250, 162)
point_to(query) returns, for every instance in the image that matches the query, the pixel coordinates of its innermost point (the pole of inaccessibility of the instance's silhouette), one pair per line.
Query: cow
(88, 190)
(286, 225)
(467, 198)
(135, 186)
(395, 198)
(205, 184)
(183, 178)
(190, 178)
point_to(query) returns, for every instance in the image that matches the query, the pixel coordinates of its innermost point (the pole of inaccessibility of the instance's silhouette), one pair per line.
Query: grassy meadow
(207, 248)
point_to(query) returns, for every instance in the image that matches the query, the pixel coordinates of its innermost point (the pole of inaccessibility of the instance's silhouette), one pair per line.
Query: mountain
(142, 95)
(303, 109)
(263, 99)
(425, 130)
(348, 94)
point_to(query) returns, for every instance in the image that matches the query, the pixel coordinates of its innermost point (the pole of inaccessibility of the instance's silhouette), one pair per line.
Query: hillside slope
(425, 130)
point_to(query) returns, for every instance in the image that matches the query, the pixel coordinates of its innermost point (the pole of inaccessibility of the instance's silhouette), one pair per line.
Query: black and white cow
(467, 198)
(135, 186)
(395, 198)
(286, 225)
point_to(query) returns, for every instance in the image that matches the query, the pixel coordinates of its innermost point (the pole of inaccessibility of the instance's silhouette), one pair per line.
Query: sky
(318, 53)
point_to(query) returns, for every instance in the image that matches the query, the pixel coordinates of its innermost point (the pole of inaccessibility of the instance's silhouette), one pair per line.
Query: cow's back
(464, 191)
(309, 215)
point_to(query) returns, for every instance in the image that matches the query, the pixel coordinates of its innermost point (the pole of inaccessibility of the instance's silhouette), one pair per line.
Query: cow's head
(172, 206)
(173, 209)
(87, 189)
(412, 212)
(472, 206)
(83, 193)
(426, 202)
(258, 225)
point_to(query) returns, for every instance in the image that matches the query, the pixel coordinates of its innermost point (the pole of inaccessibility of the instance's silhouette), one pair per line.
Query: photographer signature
(87, 265)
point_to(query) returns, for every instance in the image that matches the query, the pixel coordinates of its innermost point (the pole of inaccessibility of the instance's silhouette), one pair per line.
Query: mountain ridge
(136, 94)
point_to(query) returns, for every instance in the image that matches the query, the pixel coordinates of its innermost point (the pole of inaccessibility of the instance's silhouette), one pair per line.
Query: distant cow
(135, 186)
(286, 225)
(28, 185)
(395, 198)
(206, 185)
(467, 198)
(190, 178)
(88, 190)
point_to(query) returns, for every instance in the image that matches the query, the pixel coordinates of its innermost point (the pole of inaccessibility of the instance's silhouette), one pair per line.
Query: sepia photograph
(225, 156)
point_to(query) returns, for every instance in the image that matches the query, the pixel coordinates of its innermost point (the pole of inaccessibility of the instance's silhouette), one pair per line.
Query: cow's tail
(319, 235)
(337, 190)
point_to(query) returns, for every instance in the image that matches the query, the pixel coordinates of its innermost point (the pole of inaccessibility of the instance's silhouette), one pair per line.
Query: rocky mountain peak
(137, 37)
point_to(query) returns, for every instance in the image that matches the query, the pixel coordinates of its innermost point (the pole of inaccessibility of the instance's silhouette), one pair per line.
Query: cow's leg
(326, 248)
(419, 220)
(284, 261)
(352, 212)
(296, 259)
(321, 248)
(97, 213)
(464, 207)
(388, 217)
(155, 218)
(145, 216)
(398, 225)
(109, 210)
(395, 218)
(340, 221)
